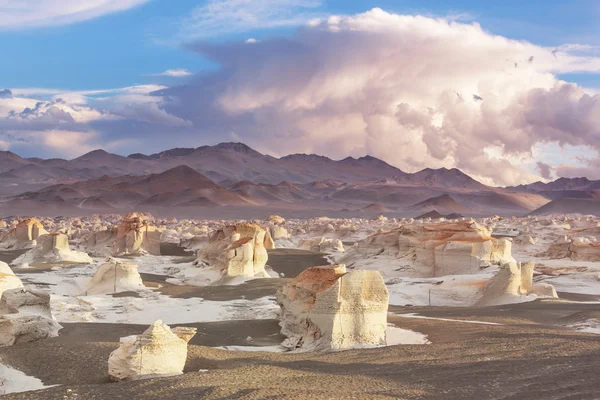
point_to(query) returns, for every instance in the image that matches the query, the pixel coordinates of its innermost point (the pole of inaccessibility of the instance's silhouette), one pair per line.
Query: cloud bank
(415, 91)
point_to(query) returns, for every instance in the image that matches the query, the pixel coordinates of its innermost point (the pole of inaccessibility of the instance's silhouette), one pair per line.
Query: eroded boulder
(327, 308)
(136, 236)
(236, 250)
(511, 283)
(159, 351)
(25, 316)
(53, 248)
(8, 279)
(115, 276)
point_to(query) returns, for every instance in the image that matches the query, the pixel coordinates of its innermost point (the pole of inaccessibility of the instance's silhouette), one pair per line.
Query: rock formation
(326, 308)
(136, 236)
(159, 351)
(433, 250)
(323, 245)
(25, 316)
(513, 281)
(577, 249)
(115, 276)
(236, 250)
(8, 279)
(23, 235)
(99, 243)
(53, 248)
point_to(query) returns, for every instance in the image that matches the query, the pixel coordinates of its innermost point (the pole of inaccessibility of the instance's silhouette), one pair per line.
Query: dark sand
(531, 355)
(517, 360)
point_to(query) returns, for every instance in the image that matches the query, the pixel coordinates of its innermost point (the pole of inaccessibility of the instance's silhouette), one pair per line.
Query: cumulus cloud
(20, 14)
(174, 73)
(415, 91)
(5, 94)
(218, 17)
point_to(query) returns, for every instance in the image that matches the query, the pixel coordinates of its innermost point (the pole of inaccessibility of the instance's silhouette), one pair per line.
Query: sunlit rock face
(511, 283)
(8, 279)
(25, 316)
(236, 250)
(23, 235)
(136, 236)
(53, 248)
(115, 276)
(327, 308)
(99, 243)
(159, 351)
(432, 250)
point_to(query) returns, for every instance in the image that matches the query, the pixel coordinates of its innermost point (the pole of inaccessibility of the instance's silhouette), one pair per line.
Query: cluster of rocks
(433, 250)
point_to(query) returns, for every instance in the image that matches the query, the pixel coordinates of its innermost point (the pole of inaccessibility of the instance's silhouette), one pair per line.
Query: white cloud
(399, 87)
(19, 14)
(174, 73)
(218, 17)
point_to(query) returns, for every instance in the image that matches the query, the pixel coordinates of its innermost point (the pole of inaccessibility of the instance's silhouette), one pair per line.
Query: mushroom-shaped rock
(159, 351)
(115, 276)
(53, 248)
(8, 279)
(513, 281)
(136, 236)
(326, 308)
(25, 316)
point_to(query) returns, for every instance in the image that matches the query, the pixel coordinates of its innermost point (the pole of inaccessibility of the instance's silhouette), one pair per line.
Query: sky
(506, 91)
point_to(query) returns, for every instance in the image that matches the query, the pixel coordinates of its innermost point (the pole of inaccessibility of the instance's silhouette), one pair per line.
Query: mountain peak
(236, 146)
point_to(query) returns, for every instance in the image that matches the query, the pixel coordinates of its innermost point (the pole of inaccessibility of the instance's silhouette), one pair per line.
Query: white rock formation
(432, 250)
(115, 276)
(159, 351)
(25, 316)
(511, 284)
(8, 279)
(23, 235)
(136, 236)
(325, 308)
(99, 243)
(236, 250)
(52, 248)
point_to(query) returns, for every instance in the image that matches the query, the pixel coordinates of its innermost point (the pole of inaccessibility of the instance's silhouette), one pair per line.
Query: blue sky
(508, 91)
(123, 48)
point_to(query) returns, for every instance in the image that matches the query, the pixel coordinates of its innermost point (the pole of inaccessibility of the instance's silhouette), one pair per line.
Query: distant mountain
(443, 204)
(234, 174)
(568, 206)
(442, 177)
(561, 184)
(178, 186)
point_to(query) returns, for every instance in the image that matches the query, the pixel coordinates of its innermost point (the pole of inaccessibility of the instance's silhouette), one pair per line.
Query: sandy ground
(517, 359)
(518, 351)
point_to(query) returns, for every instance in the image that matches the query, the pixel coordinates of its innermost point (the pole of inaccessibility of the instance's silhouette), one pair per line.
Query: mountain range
(233, 179)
